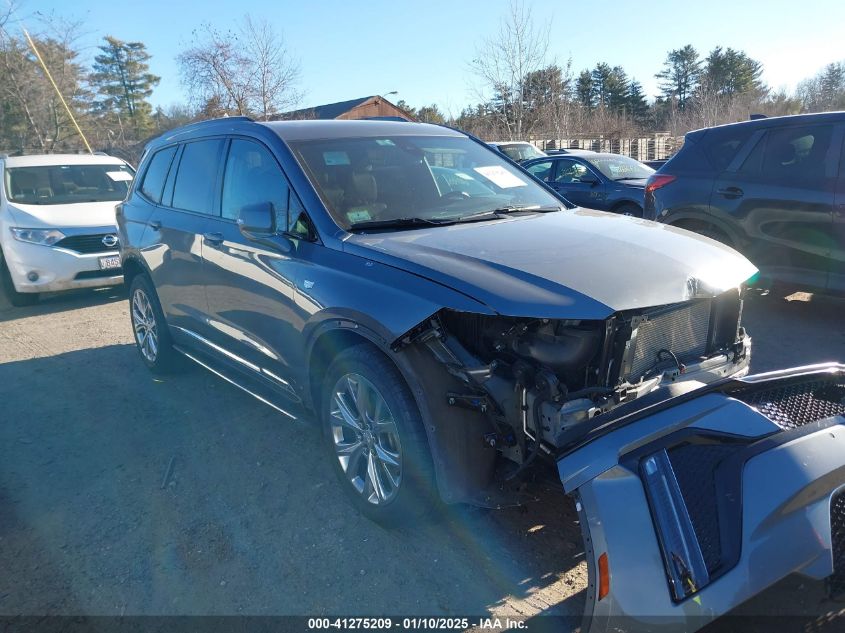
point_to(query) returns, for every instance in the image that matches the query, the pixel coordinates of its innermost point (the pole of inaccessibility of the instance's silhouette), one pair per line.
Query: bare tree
(247, 72)
(33, 116)
(504, 62)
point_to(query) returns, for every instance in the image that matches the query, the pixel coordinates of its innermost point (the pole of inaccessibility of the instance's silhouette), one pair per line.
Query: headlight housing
(45, 237)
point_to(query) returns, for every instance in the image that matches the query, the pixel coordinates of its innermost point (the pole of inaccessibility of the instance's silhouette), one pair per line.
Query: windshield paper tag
(119, 176)
(500, 177)
(336, 158)
(358, 215)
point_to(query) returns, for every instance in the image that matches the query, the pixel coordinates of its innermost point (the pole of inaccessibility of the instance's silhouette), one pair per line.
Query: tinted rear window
(156, 173)
(197, 175)
(792, 155)
(721, 145)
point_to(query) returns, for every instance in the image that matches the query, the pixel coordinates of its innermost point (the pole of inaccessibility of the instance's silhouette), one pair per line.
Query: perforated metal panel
(836, 583)
(695, 469)
(682, 331)
(795, 405)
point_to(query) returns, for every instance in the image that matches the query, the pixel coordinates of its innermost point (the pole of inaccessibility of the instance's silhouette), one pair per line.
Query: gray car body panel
(787, 481)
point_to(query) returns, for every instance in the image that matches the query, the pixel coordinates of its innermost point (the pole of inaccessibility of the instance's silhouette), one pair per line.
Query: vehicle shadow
(793, 329)
(53, 302)
(182, 495)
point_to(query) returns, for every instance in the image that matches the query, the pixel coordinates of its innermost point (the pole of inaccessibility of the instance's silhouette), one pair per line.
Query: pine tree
(731, 72)
(124, 84)
(636, 103)
(681, 74)
(584, 89)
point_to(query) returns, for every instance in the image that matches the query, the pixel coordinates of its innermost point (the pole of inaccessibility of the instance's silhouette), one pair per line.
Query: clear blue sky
(422, 49)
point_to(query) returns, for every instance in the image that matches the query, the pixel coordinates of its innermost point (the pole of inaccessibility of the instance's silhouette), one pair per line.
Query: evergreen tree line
(249, 71)
(695, 91)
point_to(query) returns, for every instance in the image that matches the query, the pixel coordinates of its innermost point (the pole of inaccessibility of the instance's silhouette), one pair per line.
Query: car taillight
(657, 181)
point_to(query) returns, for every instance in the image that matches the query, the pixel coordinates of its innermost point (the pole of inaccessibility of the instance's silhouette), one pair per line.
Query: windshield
(67, 184)
(434, 178)
(521, 151)
(619, 167)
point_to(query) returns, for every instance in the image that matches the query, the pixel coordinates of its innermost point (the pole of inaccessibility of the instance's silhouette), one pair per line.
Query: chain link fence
(659, 146)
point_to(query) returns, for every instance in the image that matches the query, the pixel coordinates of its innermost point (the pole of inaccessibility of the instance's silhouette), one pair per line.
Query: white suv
(57, 223)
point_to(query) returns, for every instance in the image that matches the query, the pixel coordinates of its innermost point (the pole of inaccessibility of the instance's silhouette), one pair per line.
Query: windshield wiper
(398, 223)
(492, 214)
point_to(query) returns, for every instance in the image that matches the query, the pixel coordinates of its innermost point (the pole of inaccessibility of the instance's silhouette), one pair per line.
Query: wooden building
(373, 107)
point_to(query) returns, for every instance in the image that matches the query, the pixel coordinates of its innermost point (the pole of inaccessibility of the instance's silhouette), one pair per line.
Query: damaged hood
(576, 263)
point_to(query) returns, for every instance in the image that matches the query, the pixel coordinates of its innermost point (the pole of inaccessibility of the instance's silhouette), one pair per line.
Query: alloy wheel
(366, 439)
(144, 324)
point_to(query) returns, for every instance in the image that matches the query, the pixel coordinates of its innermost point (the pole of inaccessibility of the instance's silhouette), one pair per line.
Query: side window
(542, 170)
(721, 145)
(252, 177)
(300, 225)
(194, 186)
(156, 173)
(753, 164)
(796, 155)
(568, 171)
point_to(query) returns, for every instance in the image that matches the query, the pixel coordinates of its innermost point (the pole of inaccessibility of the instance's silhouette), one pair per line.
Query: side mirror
(256, 220)
(589, 179)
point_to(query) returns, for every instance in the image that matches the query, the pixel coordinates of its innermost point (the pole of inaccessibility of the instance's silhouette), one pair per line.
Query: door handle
(213, 239)
(155, 225)
(730, 192)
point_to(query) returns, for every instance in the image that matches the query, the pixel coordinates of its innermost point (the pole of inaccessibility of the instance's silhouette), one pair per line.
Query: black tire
(416, 493)
(629, 208)
(165, 359)
(17, 299)
(708, 230)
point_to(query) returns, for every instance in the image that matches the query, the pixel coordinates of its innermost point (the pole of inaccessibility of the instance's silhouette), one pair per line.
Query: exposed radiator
(682, 330)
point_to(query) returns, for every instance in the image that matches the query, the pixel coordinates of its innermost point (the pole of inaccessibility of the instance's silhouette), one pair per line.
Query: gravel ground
(125, 494)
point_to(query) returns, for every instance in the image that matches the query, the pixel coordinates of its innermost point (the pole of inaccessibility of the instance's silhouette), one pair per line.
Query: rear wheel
(707, 230)
(376, 438)
(17, 299)
(629, 208)
(152, 338)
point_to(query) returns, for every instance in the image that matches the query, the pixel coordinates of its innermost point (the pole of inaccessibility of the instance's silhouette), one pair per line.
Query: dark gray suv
(447, 318)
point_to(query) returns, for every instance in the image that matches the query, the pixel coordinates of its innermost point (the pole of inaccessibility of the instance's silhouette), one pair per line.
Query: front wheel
(376, 438)
(17, 299)
(152, 338)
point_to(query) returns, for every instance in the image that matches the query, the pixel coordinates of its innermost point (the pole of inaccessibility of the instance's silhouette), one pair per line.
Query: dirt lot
(125, 494)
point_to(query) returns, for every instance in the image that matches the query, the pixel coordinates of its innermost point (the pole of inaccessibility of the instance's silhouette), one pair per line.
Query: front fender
(351, 296)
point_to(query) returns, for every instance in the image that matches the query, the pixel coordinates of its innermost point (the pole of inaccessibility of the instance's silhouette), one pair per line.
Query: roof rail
(101, 153)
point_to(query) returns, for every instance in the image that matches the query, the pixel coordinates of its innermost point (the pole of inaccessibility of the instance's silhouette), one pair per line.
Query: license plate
(112, 261)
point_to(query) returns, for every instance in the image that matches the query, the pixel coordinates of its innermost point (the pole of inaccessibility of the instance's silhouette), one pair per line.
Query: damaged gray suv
(449, 319)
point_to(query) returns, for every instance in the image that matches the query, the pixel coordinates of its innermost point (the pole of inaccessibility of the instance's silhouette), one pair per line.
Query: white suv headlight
(46, 237)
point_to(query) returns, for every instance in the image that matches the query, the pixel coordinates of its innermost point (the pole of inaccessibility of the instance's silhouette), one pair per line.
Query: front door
(247, 282)
(579, 184)
(836, 280)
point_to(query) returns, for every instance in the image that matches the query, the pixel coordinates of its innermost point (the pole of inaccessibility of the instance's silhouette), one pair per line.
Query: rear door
(248, 283)
(177, 224)
(780, 191)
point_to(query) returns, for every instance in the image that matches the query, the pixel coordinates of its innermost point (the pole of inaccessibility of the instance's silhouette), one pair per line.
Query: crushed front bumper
(694, 504)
